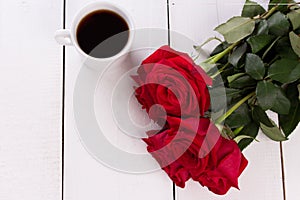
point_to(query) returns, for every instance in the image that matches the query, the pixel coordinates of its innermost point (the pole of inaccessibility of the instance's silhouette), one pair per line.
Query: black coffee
(102, 33)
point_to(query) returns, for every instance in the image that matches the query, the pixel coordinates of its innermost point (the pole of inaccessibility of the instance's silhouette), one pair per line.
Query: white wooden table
(41, 156)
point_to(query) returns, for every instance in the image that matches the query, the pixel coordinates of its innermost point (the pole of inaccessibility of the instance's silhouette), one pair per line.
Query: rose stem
(237, 131)
(220, 70)
(217, 57)
(232, 109)
(269, 13)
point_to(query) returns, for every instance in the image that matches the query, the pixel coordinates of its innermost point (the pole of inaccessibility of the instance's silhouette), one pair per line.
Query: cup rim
(100, 6)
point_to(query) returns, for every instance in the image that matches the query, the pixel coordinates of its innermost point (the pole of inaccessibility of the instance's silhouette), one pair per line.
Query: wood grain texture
(292, 165)
(85, 178)
(262, 178)
(30, 103)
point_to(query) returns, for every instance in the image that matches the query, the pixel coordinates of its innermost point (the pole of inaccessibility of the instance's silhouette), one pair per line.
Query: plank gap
(168, 22)
(169, 42)
(174, 191)
(63, 105)
(282, 171)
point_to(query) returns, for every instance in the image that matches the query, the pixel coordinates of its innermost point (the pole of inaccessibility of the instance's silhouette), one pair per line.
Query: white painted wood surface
(30, 100)
(30, 110)
(292, 165)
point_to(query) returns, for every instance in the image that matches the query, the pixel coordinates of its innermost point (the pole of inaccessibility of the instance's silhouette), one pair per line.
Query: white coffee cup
(68, 36)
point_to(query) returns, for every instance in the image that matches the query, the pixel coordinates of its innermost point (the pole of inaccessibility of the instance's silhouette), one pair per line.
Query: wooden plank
(262, 178)
(85, 178)
(30, 103)
(292, 165)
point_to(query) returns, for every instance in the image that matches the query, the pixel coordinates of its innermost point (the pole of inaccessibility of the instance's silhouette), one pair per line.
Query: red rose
(160, 148)
(179, 149)
(226, 163)
(178, 174)
(192, 133)
(171, 79)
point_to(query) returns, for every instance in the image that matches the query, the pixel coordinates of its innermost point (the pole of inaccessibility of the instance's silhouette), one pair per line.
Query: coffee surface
(102, 33)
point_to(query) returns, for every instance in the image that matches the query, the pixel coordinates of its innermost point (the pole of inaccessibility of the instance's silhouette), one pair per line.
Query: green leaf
(264, 92)
(278, 24)
(295, 42)
(242, 82)
(285, 70)
(218, 98)
(271, 97)
(294, 17)
(236, 28)
(237, 54)
(274, 133)
(240, 117)
(258, 42)
(282, 105)
(252, 9)
(254, 66)
(262, 28)
(284, 49)
(290, 121)
(260, 116)
(251, 130)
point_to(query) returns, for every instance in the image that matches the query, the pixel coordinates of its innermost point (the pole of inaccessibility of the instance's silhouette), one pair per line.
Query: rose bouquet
(260, 68)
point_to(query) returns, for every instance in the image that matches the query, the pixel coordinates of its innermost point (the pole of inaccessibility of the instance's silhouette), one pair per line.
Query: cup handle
(63, 37)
